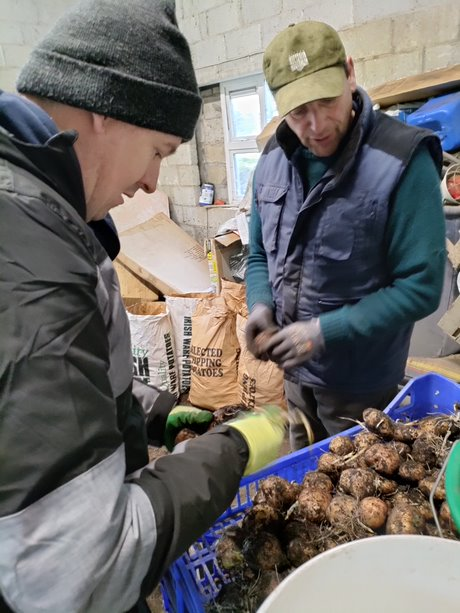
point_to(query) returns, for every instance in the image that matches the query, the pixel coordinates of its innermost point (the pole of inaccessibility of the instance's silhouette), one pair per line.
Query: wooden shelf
(418, 87)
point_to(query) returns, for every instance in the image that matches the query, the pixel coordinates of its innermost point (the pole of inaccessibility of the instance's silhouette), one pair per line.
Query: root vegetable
(263, 551)
(365, 439)
(331, 464)
(427, 484)
(313, 504)
(277, 493)
(405, 433)
(294, 529)
(384, 486)
(262, 517)
(225, 413)
(300, 550)
(341, 445)
(382, 458)
(318, 480)
(359, 482)
(405, 520)
(413, 471)
(185, 434)
(413, 497)
(342, 510)
(403, 449)
(424, 449)
(228, 550)
(373, 512)
(378, 422)
(445, 517)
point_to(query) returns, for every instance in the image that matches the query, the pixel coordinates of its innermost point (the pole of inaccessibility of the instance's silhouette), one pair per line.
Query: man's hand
(295, 343)
(263, 432)
(259, 328)
(182, 417)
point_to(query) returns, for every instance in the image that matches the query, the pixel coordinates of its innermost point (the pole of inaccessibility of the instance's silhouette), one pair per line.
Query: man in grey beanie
(86, 524)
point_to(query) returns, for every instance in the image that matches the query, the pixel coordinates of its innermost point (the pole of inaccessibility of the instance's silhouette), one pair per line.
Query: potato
(427, 484)
(262, 339)
(300, 550)
(413, 471)
(228, 549)
(342, 510)
(439, 425)
(341, 445)
(262, 517)
(424, 449)
(415, 498)
(373, 512)
(384, 486)
(378, 422)
(331, 464)
(382, 458)
(405, 433)
(318, 480)
(365, 439)
(277, 493)
(403, 449)
(445, 517)
(299, 528)
(313, 504)
(263, 551)
(185, 434)
(358, 482)
(405, 520)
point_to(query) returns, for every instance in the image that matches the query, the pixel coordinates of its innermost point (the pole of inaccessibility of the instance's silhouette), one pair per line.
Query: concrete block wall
(22, 24)
(390, 40)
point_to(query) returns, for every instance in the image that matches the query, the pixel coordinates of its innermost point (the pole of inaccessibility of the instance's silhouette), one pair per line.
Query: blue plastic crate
(196, 579)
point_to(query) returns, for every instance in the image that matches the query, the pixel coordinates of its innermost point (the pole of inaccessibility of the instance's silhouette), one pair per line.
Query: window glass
(243, 165)
(247, 106)
(270, 104)
(245, 114)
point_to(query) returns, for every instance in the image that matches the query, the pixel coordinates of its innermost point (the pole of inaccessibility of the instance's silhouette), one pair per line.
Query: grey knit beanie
(125, 59)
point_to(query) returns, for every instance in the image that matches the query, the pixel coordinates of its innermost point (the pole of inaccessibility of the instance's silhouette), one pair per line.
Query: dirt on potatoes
(378, 482)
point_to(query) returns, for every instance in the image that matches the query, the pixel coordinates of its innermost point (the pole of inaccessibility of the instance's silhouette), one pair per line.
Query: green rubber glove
(184, 416)
(263, 432)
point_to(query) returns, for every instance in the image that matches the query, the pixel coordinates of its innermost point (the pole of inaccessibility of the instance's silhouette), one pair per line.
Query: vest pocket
(271, 200)
(337, 241)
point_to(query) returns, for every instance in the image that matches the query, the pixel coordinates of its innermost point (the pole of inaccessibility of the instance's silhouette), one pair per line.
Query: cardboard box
(218, 252)
(165, 256)
(450, 321)
(139, 209)
(417, 87)
(133, 287)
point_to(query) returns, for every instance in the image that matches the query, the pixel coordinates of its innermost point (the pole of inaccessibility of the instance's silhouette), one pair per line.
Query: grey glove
(295, 343)
(259, 328)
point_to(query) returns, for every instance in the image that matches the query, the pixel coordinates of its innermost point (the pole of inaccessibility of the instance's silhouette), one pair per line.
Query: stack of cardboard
(157, 256)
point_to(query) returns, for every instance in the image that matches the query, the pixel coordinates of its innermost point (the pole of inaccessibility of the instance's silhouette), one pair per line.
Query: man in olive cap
(86, 524)
(347, 238)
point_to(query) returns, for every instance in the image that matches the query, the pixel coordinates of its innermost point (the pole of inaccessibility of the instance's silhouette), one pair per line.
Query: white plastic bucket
(397, 574)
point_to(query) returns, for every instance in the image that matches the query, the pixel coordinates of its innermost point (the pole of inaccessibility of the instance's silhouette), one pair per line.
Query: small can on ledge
(207, 194)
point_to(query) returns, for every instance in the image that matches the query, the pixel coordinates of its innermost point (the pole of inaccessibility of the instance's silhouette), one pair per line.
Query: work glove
(259, 327)
(185, 417)
(295, 344)
(263, 431)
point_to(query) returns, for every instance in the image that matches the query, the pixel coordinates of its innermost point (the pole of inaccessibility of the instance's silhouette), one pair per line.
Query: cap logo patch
(298, 61)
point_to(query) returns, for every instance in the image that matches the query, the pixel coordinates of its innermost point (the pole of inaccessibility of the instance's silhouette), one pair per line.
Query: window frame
(233, 145)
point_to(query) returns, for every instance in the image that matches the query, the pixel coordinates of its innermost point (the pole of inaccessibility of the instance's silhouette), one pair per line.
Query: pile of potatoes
(379, 482)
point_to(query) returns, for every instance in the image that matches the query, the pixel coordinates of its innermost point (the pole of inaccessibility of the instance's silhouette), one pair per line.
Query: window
(247, 106)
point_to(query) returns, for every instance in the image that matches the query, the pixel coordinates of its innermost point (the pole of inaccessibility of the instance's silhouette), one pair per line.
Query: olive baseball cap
(304, 62)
